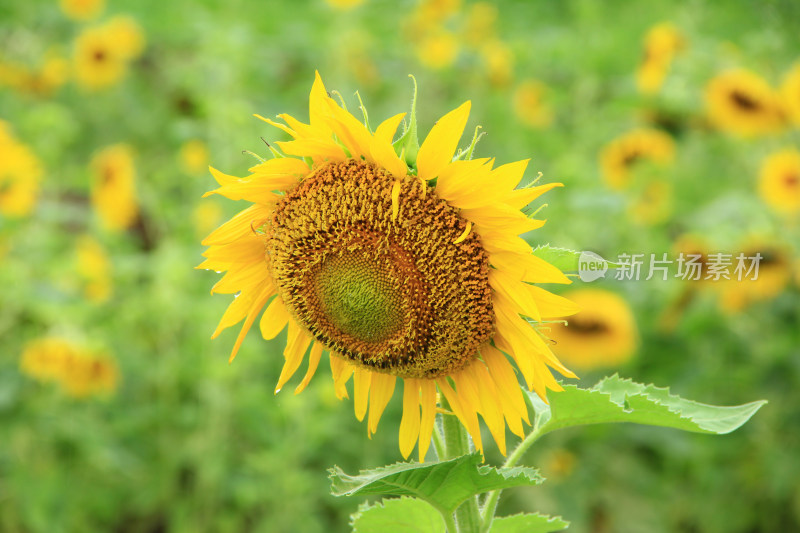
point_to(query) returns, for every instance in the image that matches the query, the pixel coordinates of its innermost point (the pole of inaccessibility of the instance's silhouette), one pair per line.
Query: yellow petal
(503, 375)
(382, 150)
(551, 305)
(380, 392)
(297, 343)
(409, 424)
(460, 176)
(352, 133)
(258, 304)
(491, 404)
(240, 307)
(440, 145)
(519, 198)
(237, 227)
(515, 291)
(428, 403)
(465, 412)
(318, 103)
(242, 275)
(320, 149)
(274, 319)
(341, 371)
(528, 267)
(280, 165)
(361, 384)
(313, 362)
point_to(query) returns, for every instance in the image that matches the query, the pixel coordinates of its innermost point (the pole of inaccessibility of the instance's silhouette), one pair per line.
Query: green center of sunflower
(358, 297)
(391, 292)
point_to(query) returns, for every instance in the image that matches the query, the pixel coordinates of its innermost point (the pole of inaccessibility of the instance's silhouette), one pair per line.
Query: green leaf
(528, 523)
(398, 515)
(621, 400)
(444, 484)
(564, 259)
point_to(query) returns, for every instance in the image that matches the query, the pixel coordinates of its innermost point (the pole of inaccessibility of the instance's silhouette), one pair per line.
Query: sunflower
(400, 266)
(113, 187)
(81, 9)
(653, 204)
(622, 154)
(126, 36)
(662, 42)
(99, 62)
(529, 105)
(602, 334)
(437, 50)
(774, 274)
(79, 372)
(779, 181)
(790, 92)
(741, 102)
(20, 174)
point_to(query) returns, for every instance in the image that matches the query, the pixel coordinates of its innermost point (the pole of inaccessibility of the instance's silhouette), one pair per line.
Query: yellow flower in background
(81, 9)
(344, 5)
(499, 61)
(126, 36)
(481, 23)
(621, 155)
(113, 186)
(98, 61)
(78, 371)
(194, 156)
(94, 267)
(529, 105)
(603, 334)
(774, 275)
(437, 50)
(360, 253)
(654, 203)
(206, 216)
(438, 11)
(694, 250)
(90, 375)
(790, 92)
(779, 181)
(741, 102)
(20, 175)
(662, 42)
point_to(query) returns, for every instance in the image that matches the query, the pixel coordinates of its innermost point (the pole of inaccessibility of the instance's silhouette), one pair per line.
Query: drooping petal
(361, 384)
(410, 423)
(274, 319)
(313, 362)
(297, 343)
(380, 392)
(440, 145)
(341, 371)
(428, 403)
(258, 303)
(520, 198)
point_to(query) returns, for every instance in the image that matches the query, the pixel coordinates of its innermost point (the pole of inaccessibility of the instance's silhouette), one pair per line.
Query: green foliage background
(190, 443)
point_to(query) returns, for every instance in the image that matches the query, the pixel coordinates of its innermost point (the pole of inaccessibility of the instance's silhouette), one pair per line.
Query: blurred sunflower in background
(779, 181)
(194, 156)
(653, 205)
(113, 187)
(619, 157)
(661, 44)
(742, 102)
(773, 276)
(20, 175)
(602, 334)
(790, 92)
(78, 371)
(81, 10)
(530, 106)
(103, 53)
(400, 261)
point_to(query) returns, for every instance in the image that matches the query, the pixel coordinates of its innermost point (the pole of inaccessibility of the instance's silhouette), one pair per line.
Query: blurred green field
(175, 439)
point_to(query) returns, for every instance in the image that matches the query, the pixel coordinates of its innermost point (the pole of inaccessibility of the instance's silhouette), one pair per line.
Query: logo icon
(591, 266)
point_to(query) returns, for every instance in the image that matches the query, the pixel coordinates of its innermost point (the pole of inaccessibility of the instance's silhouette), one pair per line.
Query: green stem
(456, 443)
(438, 441)
(490, 506)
